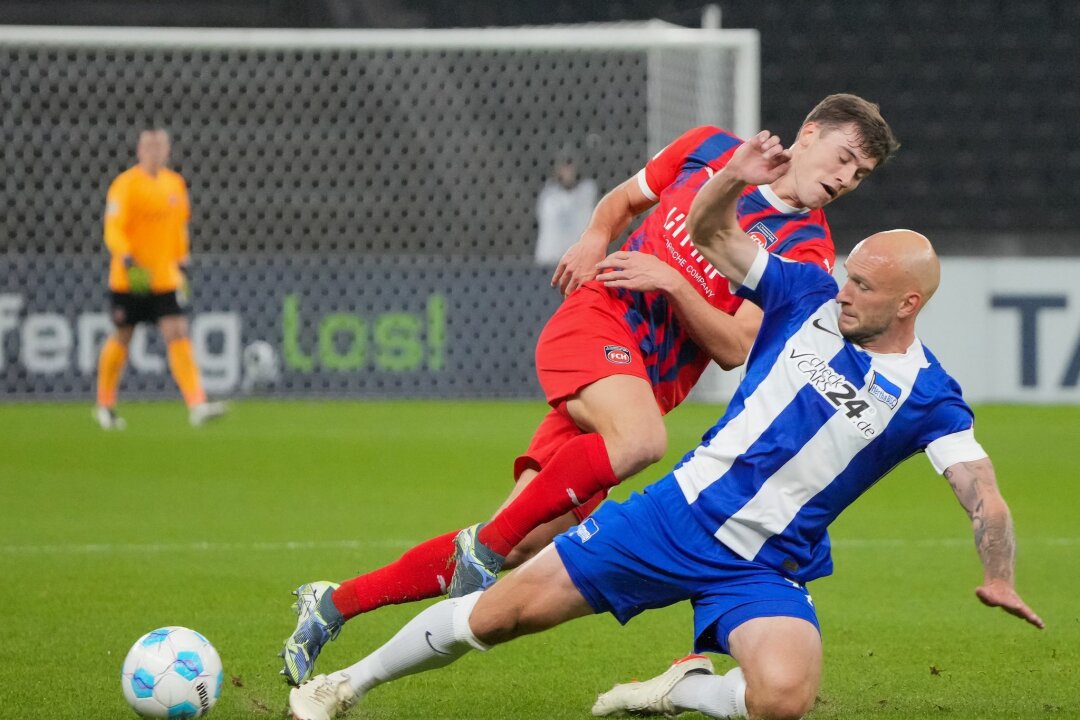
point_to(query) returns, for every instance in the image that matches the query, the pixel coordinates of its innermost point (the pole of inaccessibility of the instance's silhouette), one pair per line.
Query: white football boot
(202, 413)
(108, 419)
(651, 697)
(321, 699)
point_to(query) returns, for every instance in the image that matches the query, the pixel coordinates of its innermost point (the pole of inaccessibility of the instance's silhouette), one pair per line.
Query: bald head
(904, 259)
(891, 276)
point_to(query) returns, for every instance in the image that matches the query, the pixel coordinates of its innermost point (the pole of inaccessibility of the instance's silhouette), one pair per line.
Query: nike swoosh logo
(427, 636)
(823, 328)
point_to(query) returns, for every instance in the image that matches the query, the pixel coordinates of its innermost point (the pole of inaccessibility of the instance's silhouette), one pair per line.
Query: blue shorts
(650, 552)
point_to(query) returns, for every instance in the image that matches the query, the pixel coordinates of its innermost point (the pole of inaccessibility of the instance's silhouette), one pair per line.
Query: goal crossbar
(518, 38)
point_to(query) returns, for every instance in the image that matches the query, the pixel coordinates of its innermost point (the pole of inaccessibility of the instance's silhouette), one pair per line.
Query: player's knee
(493, 624)
(654, 446)
(636, 449)
(490, 629)
(780, 695)
(172, 332)
(788, 708)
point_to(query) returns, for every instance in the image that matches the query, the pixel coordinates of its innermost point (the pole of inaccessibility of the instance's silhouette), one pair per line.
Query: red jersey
(673, 360)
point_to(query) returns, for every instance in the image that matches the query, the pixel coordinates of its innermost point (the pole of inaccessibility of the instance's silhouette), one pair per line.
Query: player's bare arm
(712, 221)
(725, 338)
(975, 486)
(612, 215)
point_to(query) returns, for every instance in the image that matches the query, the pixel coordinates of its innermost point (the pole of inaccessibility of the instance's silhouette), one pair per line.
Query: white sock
(718, 696)
(434, 638)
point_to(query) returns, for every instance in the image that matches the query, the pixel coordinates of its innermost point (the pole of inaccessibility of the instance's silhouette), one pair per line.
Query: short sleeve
(954, 448)
(773, 281)
(949, 436)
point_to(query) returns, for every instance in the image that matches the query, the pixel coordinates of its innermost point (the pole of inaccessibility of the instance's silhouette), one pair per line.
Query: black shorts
(131, 309)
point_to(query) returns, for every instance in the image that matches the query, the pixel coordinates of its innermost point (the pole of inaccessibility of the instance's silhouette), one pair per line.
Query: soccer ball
(261, 367)
(172, 672)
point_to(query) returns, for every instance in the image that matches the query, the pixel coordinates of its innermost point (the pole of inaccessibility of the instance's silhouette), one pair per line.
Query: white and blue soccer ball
(172, 672)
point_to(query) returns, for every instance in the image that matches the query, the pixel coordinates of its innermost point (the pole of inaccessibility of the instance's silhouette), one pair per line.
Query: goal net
(364, 202)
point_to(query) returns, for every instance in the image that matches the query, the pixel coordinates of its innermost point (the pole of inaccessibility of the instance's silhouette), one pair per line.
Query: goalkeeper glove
(183, 293)
(138, 278)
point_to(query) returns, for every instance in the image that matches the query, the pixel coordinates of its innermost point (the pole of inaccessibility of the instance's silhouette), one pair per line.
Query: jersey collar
(773, 199)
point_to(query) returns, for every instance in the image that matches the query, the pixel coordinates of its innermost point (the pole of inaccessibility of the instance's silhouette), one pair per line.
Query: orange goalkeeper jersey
(146, 218)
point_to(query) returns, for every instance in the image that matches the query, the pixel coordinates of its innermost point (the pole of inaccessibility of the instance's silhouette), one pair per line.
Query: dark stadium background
(983, 95)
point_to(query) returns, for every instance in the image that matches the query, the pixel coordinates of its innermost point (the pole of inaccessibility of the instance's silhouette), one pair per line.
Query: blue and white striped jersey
(815, 423)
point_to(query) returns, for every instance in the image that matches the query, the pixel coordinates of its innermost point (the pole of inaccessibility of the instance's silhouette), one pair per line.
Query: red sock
(580, 469)
(421, 573)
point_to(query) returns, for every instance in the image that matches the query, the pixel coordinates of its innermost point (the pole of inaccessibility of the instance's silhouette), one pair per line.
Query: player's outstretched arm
(612, 215)
(976, 488)
(712, 222)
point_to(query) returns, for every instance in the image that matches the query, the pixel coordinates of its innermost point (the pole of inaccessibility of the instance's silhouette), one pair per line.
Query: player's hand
(183, 292)
(998, 593)
(637, 271)
(578, 264)
(760, 160)
(138, 278)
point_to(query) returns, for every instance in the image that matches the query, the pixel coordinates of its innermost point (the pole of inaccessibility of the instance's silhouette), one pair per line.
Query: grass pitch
(105, 536)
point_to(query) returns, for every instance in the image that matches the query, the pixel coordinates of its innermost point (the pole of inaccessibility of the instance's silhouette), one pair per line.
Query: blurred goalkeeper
(146, 231)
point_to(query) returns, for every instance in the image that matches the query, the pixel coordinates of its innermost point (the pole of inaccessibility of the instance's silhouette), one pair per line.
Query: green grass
(104, 537)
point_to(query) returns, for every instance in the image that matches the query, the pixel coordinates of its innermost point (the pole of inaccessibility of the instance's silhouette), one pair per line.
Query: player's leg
(533, 598)
(422, 572)
(622, 432)
(173, 325)
(594, 569)
(322, 608)
(622, 409)
(601, 391)
(766, 622)
(111, 362)
(126, 311)
(777, 677)
(780, 658)
(182, 364)
(540, 537)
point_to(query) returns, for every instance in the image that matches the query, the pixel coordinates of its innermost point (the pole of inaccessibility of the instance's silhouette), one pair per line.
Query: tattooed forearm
(991, 523)
(961, 481)
(995, 542)
(978, 524)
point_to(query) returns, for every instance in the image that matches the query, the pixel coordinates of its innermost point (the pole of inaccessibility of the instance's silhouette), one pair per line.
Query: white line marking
(399, 543)
(867, 543)
(196, 547)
